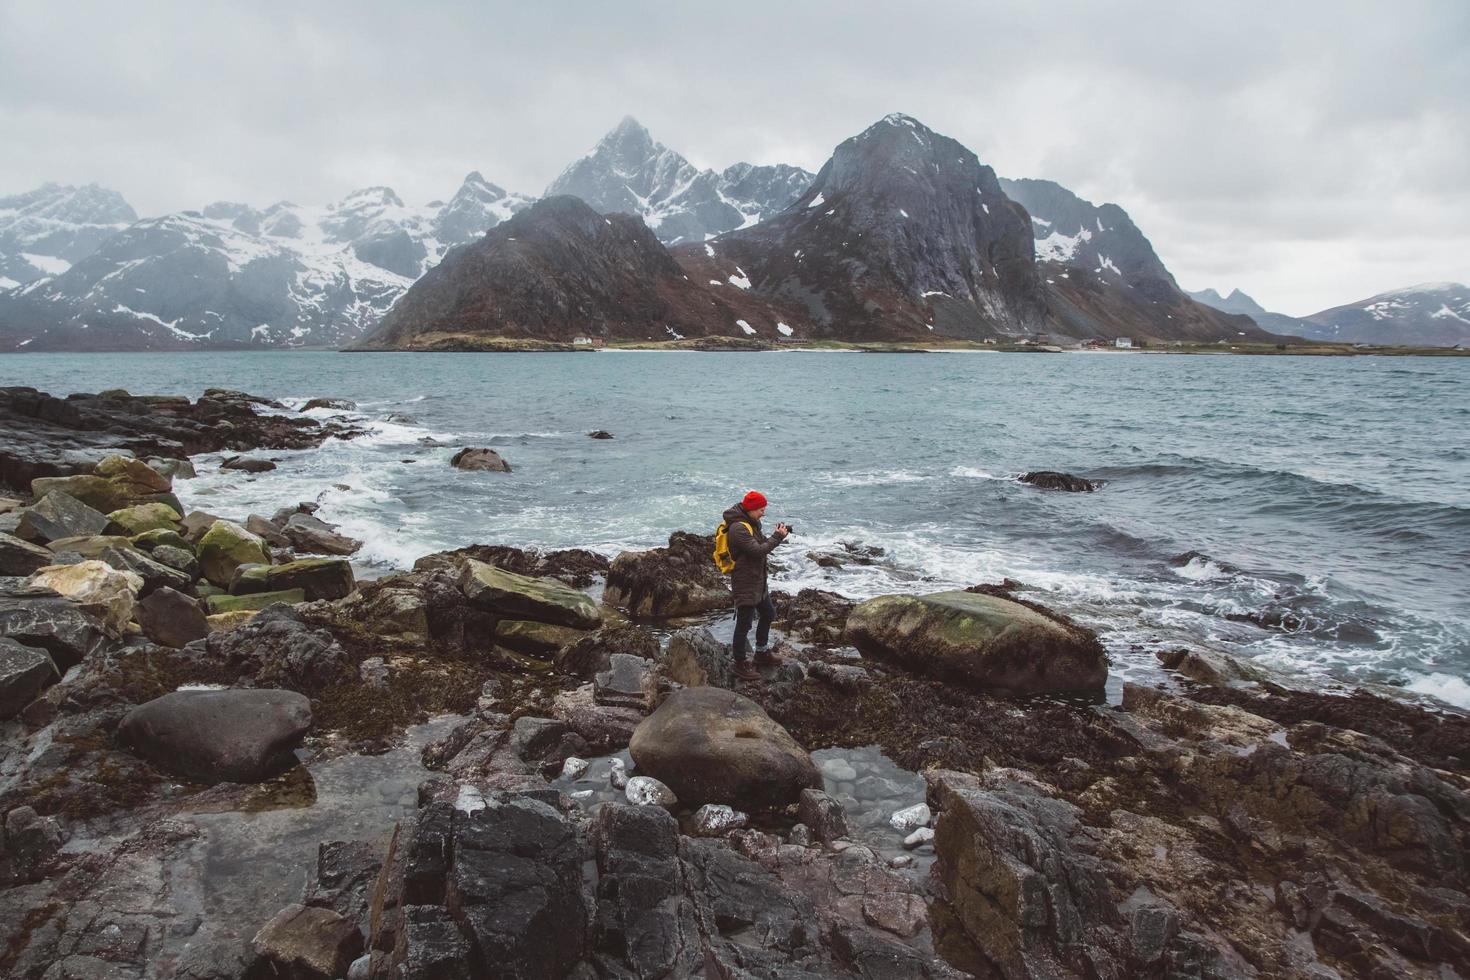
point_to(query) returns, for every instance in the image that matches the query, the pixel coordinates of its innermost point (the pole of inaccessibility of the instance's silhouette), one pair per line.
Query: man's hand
(782, 530)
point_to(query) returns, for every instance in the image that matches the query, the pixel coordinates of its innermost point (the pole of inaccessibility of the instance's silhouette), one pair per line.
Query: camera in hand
(790, 529)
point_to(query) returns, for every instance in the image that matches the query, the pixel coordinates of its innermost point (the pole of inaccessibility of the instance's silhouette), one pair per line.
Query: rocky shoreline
(225, 757)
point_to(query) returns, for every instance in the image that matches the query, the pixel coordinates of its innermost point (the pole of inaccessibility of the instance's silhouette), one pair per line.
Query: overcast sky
(1311, 153)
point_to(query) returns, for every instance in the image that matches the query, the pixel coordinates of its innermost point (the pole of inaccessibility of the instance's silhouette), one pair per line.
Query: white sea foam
(869, 478)
(1446, 687)
(1201, 570)
(976, 473)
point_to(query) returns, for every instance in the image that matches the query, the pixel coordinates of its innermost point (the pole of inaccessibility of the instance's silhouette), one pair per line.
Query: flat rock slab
(521, 597)
(627, 683)
(984, 641)
(318, 578)
(59, 515)
(39, 617)
(19, 557)
(219, 736)
(711, 745)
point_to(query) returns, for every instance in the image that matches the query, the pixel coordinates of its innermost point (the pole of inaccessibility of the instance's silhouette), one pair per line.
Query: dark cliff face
(903, 233)
(555, 270)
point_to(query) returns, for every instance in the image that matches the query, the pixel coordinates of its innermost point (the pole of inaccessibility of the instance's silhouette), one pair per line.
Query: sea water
(1325, 501)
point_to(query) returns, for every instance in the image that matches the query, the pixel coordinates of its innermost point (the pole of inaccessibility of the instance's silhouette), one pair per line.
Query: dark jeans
(767, 610)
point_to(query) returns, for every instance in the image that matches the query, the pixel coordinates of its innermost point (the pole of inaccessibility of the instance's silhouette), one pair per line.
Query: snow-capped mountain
(44, 231)
(1432, 314)
(1072, 233)
(1239, 302)
(628, 171)
(235, 276)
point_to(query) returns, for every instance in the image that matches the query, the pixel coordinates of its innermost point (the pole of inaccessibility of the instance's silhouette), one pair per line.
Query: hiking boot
(746, 672)
(768, 658)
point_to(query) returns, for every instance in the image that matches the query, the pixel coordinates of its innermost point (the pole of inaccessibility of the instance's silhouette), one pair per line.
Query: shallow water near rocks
(869, 785)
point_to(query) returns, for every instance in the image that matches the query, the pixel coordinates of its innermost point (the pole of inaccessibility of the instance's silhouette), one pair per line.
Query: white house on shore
(1123, 342)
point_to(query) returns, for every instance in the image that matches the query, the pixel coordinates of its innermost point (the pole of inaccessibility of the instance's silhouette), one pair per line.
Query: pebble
(617, 773)
(574, 767)
(920, 837)
(911, 818)
(801, 835)
(900, 861)
(716, 819)
(647, 791)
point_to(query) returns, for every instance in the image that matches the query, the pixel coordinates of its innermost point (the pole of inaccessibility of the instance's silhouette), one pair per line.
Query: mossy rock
(125, 469)
(254, 601)
(141, 518)
(225, 547)
(983, 641)
(535, 639)
(205, 590)
(90, 545)
(224, 622)
(544, 600)
(320, 578)
(168, 536)
(97, 492)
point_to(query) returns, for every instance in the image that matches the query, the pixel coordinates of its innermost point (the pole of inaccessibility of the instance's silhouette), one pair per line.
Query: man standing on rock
(749, 547)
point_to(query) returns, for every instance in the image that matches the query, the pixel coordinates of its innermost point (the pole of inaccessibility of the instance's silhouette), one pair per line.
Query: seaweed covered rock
(679, 580)
(521, 597)
(984, 641)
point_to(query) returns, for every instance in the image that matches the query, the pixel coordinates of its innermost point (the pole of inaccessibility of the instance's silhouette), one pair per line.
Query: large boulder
(520, 597)
(105, 590)
(240, 736)
(19, 557)
(273, 648)
(225, 547)
(316, 537)
(59, 515)
(24, 671)
(480, 459)
(38, 617)
(170, 618)
(392, 606)
(710, 745)
(680, 580)
(318, 578)
(1066, 482)
(984, 641)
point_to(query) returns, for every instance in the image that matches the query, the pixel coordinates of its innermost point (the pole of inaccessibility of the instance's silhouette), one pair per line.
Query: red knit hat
(754, 500)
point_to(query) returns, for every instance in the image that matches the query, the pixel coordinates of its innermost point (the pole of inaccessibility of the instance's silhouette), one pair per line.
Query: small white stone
(920, 837)
(900, 861)
(716, 819)
(582, 795)
(470, 799)
(839, 770)
(574, 767)
(647, 791)
(911, 818)
(617, 773)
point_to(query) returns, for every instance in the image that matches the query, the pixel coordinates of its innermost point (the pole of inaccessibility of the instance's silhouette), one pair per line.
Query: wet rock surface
(1066, 482)
(219, 736)
(1224, 825)
(679, 580)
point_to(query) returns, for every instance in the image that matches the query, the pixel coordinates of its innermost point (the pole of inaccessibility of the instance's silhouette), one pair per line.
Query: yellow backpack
(725, 561)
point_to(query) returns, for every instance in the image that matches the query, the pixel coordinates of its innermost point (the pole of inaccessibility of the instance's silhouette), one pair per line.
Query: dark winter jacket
(749, 550)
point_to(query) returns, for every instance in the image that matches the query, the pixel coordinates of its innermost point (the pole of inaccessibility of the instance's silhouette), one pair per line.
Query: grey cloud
(1308, 152)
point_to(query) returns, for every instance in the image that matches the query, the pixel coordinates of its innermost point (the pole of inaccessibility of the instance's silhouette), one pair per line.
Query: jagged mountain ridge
(630, 172)
(44, 231)
(903, 234)
(236, 276)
